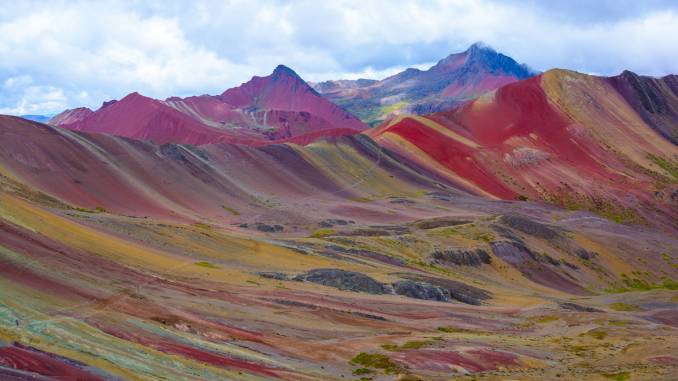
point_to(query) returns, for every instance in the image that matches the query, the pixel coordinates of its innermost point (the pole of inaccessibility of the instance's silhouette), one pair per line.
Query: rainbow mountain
(522, 233)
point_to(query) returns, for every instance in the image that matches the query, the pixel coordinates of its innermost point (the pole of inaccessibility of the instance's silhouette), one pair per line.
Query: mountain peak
(284, 71)
(478, 52)
(480, 47)
(70, 116)
(484, 55)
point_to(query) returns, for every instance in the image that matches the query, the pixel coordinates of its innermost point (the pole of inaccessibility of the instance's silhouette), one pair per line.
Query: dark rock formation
(576, 307)
(530, 227)
(457, 257)
(439, 223)
(328, 223)
(424, 287)
(273, 275)
(585, 254)
(268, 228)
(366, 254)
(420, 290)
(537, 267)
(343, 280)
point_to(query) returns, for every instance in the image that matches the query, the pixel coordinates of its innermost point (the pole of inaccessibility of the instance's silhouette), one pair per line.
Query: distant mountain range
(453, 80)
(276, 108)
(283, 106)
(38, 118)
(487, 124)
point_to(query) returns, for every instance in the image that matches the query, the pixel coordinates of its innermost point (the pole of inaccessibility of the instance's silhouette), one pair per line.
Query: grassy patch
(416, 344)
(207, 265)
(390, 347)
(201, 225)
(376, 361)
(321, 233)
(578, 350)
(361, 199)
(385, 110)
(670, 284)
(619, 376)
(362, 371)
(98, 209)
(625, 307)
(454, 330)
(669, 166)
(545, 319)
(607, 208)
(637, 284)
(230, 210)
(619, 323)
(412, 344)
(485, 237)
(597, 334)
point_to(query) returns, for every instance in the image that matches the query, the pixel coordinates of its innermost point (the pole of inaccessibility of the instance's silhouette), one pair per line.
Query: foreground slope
(268, 109)
(563, 137)
(122, 259)
(453, 80)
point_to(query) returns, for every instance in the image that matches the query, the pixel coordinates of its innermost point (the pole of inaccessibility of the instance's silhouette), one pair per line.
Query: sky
(63, 54)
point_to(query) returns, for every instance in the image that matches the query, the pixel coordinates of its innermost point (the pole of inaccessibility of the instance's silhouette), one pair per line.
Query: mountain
(655, 100)
(452, 81)
(562, 137)
(70, 116)
(276, 108)
(37, 118)
(122, 258)
(285, 90)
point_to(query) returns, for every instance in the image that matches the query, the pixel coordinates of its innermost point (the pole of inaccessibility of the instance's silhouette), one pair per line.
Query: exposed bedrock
(343, 280)
(420, 290)
(417, 287)
(529, 226)
(539, 268)
(460, 257)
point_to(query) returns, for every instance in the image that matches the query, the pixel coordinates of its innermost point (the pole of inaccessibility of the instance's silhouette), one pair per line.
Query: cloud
(61, 54)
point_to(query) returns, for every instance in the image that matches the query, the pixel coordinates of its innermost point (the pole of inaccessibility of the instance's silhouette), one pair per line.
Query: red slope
(284, 90)
(280, 107)
(563, 137)
(139, 117)
(70, 116)
(183, 182)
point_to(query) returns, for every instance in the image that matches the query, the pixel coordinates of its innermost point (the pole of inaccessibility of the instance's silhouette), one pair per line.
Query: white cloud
(82, 53)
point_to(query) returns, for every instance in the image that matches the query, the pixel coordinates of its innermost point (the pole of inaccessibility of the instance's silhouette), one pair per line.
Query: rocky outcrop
(262, 227)
(331, 222)
(366, 254)
(585, 254)
(273, 275)
(439, 289)
(343, 280)
(530, 227)
(420, 290)
(458, 257)
(540, 268)
(577, 307)
(434, 223)
(417, 287)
